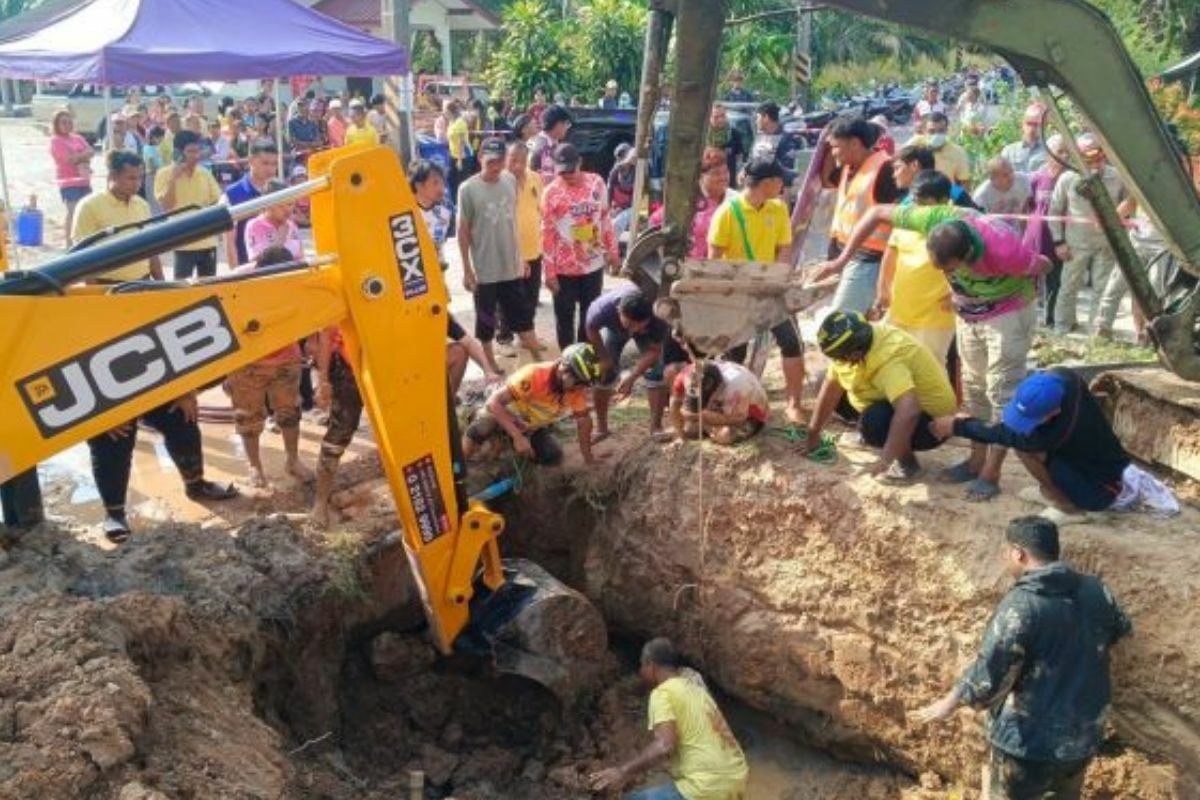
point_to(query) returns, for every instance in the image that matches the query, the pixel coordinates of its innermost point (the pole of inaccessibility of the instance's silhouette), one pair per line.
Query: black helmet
(844, 333)
(581, 359)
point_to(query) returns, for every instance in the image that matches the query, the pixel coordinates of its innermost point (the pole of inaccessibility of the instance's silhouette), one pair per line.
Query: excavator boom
(75, 362)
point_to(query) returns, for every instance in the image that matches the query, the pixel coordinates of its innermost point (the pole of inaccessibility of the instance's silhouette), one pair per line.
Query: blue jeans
(856, 290)
(665, 792)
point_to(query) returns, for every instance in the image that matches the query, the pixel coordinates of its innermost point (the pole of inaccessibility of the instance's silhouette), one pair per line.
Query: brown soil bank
(263, 661)
(837, 605)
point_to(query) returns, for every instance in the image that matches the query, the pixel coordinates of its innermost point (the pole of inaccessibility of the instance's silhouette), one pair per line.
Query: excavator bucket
(539, 628)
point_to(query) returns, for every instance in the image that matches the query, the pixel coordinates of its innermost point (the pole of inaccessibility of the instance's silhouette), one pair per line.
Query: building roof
(461, 15)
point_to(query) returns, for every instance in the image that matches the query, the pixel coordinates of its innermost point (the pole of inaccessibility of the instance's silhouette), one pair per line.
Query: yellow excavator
(78, 360)
(1065, 46)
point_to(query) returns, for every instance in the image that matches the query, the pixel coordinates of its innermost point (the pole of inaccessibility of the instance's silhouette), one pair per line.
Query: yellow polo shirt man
(189, 184)
(920, 294)
(117, 206)
(895, 365)
(754, 226)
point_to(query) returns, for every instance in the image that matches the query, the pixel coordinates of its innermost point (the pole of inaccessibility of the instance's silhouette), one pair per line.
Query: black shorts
(787, 336)
(512, 297)
(454, 331)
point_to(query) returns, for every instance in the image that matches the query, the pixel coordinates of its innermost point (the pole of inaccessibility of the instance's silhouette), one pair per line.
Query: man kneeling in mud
(526, 407)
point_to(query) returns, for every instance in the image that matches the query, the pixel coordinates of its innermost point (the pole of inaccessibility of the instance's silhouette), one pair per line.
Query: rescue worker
(992, 274)
(534, 398)
(864, 179)
(706, 762)
(892, 381)
(1042, 671)
(615, 317)
(1062, 438)
(754, 226)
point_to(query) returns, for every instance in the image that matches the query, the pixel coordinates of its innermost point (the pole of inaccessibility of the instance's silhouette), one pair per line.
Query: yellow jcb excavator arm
(77, 361)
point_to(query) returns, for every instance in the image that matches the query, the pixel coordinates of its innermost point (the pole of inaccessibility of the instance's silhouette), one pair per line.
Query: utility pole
(802, 64)
(398, 93)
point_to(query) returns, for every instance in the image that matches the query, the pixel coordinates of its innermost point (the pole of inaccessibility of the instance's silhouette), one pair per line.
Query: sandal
(597, 438)
(959, 473)
(116, 528)
(980, 491)
(662, 437)
(208, 490)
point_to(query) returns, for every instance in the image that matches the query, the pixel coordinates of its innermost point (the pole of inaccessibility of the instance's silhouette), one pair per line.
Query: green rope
(826, 452)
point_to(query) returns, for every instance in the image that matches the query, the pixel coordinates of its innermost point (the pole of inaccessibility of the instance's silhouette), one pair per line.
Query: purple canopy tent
(129, 42)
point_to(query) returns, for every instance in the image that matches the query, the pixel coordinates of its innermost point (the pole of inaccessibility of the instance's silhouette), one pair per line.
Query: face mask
(937, 140)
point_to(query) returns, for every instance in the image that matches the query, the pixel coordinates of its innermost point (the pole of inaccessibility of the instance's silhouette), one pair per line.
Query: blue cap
(1036, 398)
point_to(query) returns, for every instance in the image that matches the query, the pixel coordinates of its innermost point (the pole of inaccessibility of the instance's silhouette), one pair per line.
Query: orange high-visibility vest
(855, 197)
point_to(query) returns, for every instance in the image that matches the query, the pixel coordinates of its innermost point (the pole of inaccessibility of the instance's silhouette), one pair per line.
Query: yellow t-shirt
(896, 363)
(103, 210)
(166, 148)
(456, 137)
(920, 291)
(529, 216)
(199, 189)
(767, 229)
(708, 763)
(953, 161)
(366, 133)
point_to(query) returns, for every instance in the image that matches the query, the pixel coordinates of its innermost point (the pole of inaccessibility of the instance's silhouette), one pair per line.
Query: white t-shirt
(1014, 201)
(925, 108)
(741, 394)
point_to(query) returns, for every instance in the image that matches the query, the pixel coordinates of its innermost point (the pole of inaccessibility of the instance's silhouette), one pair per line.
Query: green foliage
(840, 79)
(1175, 107)
(534, 52)
(1152, 39)
(426, 54)
(609, 37)
(600, 39)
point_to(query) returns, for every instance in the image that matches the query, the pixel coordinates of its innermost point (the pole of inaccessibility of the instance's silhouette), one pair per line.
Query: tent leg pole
(279, 129)
(109, 142)
(9, 215)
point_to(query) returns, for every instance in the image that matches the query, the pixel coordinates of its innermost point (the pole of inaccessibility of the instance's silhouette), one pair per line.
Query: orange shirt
(537, 402)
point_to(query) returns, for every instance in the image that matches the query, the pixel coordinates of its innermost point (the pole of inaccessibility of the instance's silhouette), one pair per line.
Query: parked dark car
(596, 132)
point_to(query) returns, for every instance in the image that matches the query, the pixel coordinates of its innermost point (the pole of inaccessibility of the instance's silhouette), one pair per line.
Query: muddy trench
(271, 661)
(364, 676)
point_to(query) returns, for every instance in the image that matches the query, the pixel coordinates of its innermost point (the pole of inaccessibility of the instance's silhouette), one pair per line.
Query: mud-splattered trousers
(345, 413)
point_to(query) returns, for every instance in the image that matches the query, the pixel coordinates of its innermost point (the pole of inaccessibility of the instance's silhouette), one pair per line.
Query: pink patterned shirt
(577, 233)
